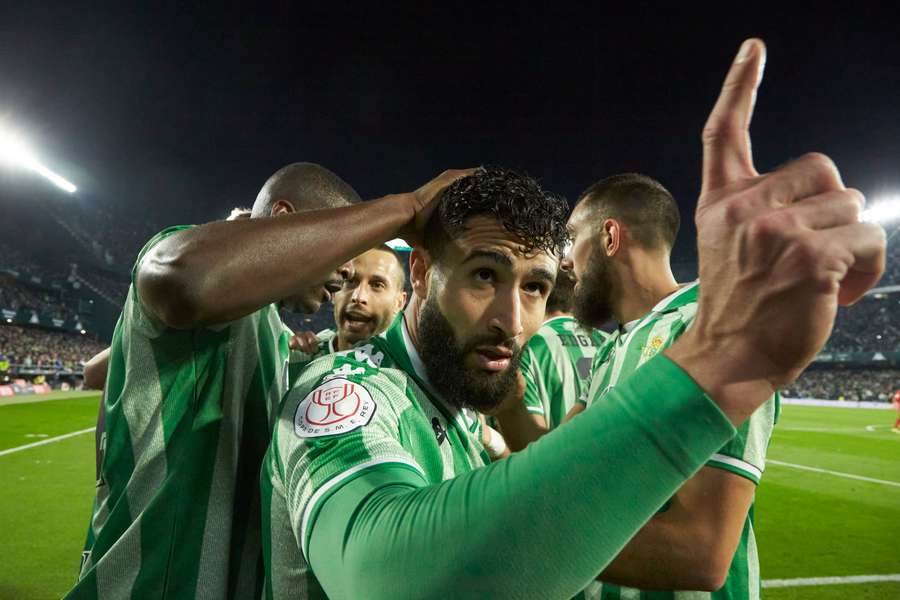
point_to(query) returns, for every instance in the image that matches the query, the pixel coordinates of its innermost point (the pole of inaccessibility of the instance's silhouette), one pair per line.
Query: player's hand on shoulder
(778, 252)
(304, 341)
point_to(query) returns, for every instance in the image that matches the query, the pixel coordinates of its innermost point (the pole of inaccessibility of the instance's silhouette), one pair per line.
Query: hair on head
(644, 206)
(523, 208)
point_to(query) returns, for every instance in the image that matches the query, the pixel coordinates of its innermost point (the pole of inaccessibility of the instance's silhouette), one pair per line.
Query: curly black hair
(517, 201)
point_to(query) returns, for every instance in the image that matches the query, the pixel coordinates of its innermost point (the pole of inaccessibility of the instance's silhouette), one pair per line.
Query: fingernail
(745, 51)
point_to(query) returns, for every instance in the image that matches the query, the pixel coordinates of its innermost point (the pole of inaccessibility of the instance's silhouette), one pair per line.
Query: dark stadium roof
(178, 115)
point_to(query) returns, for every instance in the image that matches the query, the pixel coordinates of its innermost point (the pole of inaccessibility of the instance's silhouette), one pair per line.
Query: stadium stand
(32, 351)
(863, 385)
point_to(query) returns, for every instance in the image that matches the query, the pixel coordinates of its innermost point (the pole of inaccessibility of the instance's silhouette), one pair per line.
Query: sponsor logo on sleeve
(337, 406)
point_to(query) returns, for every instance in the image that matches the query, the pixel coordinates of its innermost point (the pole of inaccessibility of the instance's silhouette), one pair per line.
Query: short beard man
(594, 292)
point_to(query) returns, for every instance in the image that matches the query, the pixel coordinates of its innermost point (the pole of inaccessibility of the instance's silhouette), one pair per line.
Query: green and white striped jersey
(298, 359)
(188, 416)
(629, 348)
(353, 411)
(556, 365)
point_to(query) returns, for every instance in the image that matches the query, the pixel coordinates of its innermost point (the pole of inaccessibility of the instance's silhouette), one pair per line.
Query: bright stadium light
(14, 151)
(883, 210)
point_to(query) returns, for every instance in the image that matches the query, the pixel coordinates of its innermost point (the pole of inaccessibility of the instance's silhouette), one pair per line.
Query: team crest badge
(653, 347)
(335, 407)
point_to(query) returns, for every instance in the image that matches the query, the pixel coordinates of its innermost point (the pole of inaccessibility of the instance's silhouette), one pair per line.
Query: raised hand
(423, 202)
(778, 252)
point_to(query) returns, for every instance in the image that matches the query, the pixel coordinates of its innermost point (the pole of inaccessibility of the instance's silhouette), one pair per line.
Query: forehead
(579, 217)
(488, 234)
(375, 261)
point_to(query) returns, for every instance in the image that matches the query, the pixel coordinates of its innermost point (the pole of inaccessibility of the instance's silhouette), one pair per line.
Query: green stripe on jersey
(378, 395)
(744, 455)
(556, 365)
(188, 415)
(298, 360)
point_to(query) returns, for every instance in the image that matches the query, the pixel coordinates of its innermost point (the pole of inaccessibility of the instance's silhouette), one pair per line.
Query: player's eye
(377, 285)
(536, 288)
(484, 275)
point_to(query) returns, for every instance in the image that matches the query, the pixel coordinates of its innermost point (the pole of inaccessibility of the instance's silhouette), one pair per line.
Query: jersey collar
(680, 297)
(399, 345)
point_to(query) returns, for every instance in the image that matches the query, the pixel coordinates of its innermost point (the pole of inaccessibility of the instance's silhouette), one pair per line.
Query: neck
(644, 281)
(556, 313)
(411, 316)
(341, 343)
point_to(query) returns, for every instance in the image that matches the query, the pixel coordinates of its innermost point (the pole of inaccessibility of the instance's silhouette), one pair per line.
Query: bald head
(305, 186)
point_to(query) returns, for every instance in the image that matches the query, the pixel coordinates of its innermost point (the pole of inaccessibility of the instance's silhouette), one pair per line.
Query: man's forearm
(692, 543)
(578, 493)
(224, 270)
(520, 427)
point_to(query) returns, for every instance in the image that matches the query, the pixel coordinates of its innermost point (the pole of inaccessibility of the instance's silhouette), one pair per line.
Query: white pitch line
(47, 441)
(835, 473)
(778, 583)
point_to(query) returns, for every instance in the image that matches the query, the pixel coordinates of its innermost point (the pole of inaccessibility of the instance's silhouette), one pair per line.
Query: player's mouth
(357, 321)
(492, 358)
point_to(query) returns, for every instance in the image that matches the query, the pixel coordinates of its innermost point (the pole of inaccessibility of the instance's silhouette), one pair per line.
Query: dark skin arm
(95, 370)
(690, 545)
(222, 271)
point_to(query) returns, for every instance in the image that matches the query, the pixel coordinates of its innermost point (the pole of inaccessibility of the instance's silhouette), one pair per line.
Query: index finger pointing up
(726, 135)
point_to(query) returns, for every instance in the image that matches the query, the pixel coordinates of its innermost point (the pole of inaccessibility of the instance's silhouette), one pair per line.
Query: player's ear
(611, 236)
(419, 270)
(401, 300)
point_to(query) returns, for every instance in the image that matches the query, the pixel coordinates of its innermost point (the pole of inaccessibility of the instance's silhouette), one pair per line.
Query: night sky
(181, 114)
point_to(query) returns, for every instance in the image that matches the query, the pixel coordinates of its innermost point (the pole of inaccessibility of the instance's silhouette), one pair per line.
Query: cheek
(463, 312)
(532, 316)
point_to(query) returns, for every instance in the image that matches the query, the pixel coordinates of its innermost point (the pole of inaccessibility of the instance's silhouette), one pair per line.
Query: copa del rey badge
(336, 406)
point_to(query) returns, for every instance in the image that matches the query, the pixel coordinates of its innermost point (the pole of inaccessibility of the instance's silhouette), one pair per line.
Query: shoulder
(363, 373)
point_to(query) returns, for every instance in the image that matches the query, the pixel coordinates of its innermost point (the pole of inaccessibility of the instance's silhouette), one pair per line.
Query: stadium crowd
(870, 325)
(47, 350)
(863, 385)
(15, 295)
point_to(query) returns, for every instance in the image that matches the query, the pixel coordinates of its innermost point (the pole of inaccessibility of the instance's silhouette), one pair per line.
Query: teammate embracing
(197, 366)
(371, 486)
(624, 228)
(366, 304)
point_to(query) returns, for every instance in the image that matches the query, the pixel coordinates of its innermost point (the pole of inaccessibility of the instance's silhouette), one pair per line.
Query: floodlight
(883, 210)
(15, 152)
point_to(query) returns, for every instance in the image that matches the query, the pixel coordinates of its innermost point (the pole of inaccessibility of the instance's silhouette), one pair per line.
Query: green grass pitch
(808, 524)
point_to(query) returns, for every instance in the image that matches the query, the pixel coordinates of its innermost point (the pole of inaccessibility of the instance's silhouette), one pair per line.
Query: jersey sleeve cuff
(379, 473)
(736, 466)
(538, 410)
(674, 411)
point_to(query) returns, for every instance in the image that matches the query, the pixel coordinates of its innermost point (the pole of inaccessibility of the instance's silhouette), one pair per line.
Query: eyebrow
(491, 255)
(506, 261)
(541, 273)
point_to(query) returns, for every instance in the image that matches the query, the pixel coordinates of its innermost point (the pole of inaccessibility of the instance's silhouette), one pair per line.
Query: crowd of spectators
(111, 239)
(870, 325)
(46, 350)
(15, 295)
(106, 285)
(863, 385)
(892, 268)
